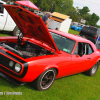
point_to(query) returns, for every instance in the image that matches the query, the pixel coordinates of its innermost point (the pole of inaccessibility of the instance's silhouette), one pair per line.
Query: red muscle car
(43, 55)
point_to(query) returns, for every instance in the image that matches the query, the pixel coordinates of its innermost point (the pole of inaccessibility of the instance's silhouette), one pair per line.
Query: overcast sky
(93, 5)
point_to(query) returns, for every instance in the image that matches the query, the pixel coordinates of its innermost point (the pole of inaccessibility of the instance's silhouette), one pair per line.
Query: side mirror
(80, 50)
(81, 54)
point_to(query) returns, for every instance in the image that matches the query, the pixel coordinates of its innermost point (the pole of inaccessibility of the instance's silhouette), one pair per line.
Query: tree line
(66, 7)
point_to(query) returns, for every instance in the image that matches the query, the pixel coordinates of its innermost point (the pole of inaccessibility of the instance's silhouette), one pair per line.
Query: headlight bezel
(17, 67)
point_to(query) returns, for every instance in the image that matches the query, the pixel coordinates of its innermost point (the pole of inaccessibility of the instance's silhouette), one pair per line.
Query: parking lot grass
(3, 33)
(73, 31)
(75, 87)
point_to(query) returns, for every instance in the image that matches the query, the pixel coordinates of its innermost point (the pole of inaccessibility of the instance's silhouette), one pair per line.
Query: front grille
(5, 58)
(5, 62)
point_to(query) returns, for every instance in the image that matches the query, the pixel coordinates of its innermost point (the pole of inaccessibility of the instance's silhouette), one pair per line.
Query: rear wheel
(93, 70)
(45, 80)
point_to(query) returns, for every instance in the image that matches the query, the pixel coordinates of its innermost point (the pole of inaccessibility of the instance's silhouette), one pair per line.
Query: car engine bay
(26, 50)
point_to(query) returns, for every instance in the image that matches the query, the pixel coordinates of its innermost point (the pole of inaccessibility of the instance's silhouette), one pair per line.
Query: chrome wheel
(17, 32)
(47, 79)
(94, 69)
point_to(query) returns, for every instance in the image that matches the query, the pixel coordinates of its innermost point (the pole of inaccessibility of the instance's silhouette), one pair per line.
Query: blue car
(76, 27)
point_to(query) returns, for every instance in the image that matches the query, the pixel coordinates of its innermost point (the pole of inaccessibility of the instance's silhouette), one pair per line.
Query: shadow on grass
(6, 33)
(6, 83)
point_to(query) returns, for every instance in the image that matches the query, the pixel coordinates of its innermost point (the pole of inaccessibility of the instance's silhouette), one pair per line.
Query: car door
(81, 63)
(3, 16)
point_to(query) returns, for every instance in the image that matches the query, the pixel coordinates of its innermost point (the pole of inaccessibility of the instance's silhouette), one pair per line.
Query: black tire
(45, 80)
(17, 31)
(93, 70)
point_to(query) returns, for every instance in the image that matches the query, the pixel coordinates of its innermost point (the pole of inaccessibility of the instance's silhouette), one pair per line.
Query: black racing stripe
(25, 64)
(19, 76)
(12, 56)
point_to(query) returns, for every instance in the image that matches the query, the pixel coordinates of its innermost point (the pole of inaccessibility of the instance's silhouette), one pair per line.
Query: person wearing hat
(45, 18)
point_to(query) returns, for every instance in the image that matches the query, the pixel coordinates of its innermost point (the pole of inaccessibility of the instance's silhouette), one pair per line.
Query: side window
(1, 8)
(90, 50)
(83, 48)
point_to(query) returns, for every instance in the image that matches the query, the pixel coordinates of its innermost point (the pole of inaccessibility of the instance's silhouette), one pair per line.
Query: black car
(91, 33)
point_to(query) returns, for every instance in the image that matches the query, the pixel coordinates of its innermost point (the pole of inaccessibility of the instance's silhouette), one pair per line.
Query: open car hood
(31, 25)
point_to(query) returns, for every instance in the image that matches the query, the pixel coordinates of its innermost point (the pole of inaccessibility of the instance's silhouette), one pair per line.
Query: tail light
(79, 32)
(95, 37)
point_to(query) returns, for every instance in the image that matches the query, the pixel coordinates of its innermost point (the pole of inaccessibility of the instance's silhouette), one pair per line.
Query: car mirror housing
(81, 54)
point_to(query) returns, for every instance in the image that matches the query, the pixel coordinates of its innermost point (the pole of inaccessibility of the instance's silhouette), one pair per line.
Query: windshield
(63, 43)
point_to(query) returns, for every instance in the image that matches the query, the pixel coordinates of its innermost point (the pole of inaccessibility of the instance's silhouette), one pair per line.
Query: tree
(94, 19)
(61, 6)
(84, 11)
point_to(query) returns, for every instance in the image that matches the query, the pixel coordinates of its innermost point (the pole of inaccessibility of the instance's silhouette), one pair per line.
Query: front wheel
(45, 80)
(17, 32)
(93, 70)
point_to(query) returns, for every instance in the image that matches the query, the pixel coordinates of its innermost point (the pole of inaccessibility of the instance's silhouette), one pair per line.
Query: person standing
(45, 18)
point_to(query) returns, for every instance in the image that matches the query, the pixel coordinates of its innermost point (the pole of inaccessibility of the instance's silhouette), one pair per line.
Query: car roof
(71, 36)
(76, 38)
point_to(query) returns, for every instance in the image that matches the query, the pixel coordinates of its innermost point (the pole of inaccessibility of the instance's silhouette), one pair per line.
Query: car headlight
(17, 67)
(11, 63)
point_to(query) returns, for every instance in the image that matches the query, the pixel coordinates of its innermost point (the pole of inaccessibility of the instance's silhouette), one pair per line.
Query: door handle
(88, 58)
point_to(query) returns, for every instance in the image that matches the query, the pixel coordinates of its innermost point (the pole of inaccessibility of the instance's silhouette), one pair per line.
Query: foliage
(61, 6)
(94, 19)
(66, 7)
(87, 23)
(84, 11)
(98, 26)
(91, 19)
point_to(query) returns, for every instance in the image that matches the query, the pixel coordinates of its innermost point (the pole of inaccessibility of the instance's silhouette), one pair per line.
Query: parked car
(6, 21)
(92, 34)
(39, 13)
(76, 26)
(43, 55)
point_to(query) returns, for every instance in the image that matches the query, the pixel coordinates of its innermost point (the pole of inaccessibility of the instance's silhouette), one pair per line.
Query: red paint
(65, 63)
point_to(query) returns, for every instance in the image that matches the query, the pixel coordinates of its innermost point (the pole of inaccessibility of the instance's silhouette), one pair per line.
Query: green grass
(73, 31)
(75, 87)
(3, 33)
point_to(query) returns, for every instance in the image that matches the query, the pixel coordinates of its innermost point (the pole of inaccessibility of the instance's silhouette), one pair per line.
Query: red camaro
(43, 55)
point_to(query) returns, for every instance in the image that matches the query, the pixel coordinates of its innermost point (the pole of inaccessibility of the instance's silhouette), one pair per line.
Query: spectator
(56, 29)
(45, 18)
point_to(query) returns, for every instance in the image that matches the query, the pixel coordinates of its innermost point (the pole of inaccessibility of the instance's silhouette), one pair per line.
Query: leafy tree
(66, 7)
(87, 23)
(84, 11)
(94, 19)
(61, 6)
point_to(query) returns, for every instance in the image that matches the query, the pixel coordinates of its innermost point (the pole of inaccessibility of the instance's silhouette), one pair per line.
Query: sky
(93, 5)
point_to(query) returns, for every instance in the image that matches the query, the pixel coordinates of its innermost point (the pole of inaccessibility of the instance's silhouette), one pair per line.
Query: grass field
(75, 87)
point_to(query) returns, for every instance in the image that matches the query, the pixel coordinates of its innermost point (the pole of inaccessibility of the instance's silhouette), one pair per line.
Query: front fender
(35, 69)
